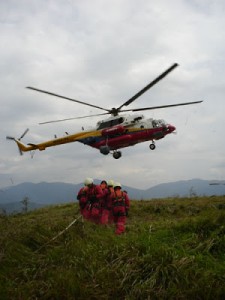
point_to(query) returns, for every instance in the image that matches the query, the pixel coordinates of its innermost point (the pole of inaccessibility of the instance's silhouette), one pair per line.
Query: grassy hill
(172, 249)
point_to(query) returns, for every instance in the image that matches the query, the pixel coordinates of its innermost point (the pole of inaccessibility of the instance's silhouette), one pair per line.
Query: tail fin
(22, 148)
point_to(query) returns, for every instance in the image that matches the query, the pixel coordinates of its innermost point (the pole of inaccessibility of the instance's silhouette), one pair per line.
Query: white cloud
(103, 52)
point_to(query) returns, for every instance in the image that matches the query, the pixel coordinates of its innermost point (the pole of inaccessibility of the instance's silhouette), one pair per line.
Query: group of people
(106, 203)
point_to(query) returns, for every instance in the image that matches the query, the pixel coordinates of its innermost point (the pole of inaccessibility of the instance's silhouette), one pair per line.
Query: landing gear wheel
(104, 150)
(117, 154)
(152, 146)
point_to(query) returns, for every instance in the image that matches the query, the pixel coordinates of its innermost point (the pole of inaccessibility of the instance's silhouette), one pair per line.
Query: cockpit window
(161, 122)
(155, 123)
(158, 123)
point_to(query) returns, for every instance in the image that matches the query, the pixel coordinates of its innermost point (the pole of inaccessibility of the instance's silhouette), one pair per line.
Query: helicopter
(115, 132)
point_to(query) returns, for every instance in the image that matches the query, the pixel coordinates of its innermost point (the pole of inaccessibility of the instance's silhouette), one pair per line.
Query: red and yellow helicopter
(115, 132)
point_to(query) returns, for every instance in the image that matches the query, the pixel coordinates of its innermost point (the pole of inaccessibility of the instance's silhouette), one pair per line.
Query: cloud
(103, 53)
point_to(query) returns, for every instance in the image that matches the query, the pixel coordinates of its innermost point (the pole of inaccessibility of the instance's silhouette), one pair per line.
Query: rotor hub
(114, 111)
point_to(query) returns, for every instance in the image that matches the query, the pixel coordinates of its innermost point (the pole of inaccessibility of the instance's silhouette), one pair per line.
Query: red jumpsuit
(82, 198)
(120, 207)
(94, 199)
(104, 210)
(107, 217)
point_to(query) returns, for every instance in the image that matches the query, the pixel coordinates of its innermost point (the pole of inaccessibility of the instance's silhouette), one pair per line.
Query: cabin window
(110, 123)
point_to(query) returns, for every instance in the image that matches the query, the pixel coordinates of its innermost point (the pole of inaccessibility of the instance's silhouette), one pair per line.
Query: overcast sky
(103, 52)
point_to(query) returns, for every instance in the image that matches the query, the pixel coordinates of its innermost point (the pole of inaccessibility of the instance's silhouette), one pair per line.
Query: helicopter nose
(171, 128)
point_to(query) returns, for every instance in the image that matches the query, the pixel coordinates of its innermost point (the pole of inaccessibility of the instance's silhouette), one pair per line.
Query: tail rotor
(23, 135)
(14, 139)
(10, 138)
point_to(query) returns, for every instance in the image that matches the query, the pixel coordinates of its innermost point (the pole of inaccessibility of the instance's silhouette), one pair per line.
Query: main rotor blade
(151, 84)
(68, 119)
(70, 99)
(162, 106)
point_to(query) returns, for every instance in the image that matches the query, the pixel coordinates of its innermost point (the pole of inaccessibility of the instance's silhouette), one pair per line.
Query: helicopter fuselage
(125, 131)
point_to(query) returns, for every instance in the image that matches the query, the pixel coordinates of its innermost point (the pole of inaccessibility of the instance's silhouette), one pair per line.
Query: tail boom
(51, 143)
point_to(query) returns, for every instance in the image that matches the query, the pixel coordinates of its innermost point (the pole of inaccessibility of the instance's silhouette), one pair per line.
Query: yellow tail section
(25, 148)
(55, 142)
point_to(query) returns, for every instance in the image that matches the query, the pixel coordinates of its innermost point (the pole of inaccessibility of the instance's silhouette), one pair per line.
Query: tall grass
(172, 249)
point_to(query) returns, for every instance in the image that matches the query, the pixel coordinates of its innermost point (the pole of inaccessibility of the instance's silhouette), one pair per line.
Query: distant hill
(186, 188)
(16, 207)
(39, 194)
(43, 193)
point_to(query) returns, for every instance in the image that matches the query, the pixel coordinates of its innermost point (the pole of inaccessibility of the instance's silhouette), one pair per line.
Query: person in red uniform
(106, 216)
(94, 200)
(82, 198)
(104, 187)
(120, 207)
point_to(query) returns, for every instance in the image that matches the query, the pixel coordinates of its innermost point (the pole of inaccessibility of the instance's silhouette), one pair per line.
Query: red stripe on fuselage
(131, 138)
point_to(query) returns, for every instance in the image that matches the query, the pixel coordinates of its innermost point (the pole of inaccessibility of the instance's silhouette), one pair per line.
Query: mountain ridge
(45, 193)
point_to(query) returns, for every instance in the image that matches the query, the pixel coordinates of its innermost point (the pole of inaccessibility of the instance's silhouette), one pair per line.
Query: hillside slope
(172, 249)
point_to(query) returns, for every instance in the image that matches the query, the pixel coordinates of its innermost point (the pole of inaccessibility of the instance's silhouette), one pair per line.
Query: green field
(172, 249)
